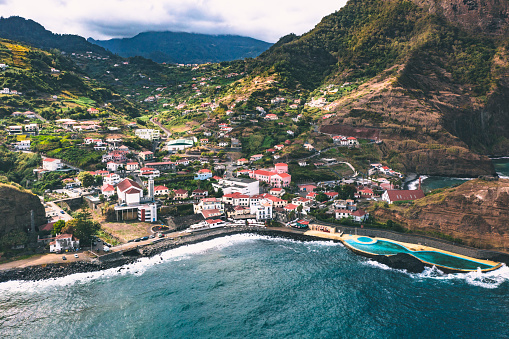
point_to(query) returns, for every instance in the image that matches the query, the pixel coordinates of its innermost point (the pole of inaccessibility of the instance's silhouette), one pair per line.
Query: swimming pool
(384, 247)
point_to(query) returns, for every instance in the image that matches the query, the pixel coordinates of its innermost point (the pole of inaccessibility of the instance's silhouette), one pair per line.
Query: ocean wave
(141, 265)
(490, 280)
(502, 176)
(414, 184)
(499, 158)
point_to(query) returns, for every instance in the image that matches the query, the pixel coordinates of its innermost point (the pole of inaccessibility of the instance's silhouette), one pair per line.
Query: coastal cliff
(476, 212)
(16, 205)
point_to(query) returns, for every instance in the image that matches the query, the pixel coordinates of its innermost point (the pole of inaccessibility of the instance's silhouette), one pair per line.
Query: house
(223, 144)
(148, 171)
(164, 165)
(147, 134)
(279, 147)
(147, 155)
(107, 190)
(309, 147)
(161, 190)
(31, 128)
(276, 202)
(112, 179)
(204, 141)
(331, 195)
(13, 130)
(132, 166)
(311, 196)
(203, 174)
(277, 191)
(207, 204)
(23, 145)
(272, 178)
(211, 213)
(365, 193)
(50, 164)
(236, 199)
(256, 157)
(402, 195)
(239, 212)
(92, 110)
(129, 192)
(64, 242)
(291, 208)
(360, 215)
(271, 116)
(112, 166)
(200, 194)
(302, 163)
(181, 194)
(242, 161)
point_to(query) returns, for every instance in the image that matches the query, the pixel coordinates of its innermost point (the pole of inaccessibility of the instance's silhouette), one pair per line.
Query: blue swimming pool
(383, 247)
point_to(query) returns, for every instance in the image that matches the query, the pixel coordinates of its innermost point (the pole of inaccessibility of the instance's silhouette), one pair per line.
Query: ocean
(429, 183)
(252, 286)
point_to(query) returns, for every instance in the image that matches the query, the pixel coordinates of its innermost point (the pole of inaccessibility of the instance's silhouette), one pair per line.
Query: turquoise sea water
(502, 166)
(248, 286)
(383, 247)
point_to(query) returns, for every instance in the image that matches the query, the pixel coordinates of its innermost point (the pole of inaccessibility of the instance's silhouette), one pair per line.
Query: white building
(64, 242)
(147, 213)
(148, 134)
(129, 192)
(107, 190)
(112, 179)
(113, 166)
(23, 145)
(209, 204)
(50, 164)
(238, 185)
(262, 209)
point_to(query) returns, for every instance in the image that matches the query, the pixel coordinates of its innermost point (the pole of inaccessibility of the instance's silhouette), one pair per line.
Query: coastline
(118, 259)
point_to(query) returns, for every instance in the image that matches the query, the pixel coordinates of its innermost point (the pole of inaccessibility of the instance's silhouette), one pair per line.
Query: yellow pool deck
(413, 247)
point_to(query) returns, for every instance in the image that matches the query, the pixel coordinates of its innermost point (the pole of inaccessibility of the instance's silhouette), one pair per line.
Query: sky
(266, 20)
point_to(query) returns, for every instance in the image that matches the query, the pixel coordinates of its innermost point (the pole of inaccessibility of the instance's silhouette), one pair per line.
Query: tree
(57, 227)
(321, 197)
(82, 228)
(86, 179)
(14, 238)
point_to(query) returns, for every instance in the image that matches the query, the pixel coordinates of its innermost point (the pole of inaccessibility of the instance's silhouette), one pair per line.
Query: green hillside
(52, 84)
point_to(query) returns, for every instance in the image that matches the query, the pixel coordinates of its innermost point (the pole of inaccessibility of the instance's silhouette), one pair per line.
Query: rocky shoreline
(51, 271)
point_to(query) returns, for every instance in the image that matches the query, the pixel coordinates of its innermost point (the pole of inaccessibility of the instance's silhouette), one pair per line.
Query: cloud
(103, 19)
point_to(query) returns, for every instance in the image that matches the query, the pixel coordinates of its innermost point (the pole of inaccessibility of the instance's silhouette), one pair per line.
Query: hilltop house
(129, 192)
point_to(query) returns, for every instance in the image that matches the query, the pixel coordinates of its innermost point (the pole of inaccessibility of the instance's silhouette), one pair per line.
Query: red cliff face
(482, 16)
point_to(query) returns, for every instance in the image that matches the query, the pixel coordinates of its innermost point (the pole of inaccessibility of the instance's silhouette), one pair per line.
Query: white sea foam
(501, 176)
(140, 266)
(414, 184)
(491, 280)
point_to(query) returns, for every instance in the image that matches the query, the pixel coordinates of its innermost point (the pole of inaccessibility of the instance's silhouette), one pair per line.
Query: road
(165, 130)
(49, 258)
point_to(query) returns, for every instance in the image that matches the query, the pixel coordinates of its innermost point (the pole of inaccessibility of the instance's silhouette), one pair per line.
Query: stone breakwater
(50, 271)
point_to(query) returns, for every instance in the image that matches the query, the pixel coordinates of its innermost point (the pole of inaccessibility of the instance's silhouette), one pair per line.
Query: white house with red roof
(161, 190)
(272, 178)
(200, 194)
(149, 171)
(242, 161)
(402, 195)
(277, 191)
(107, 190)
(271, 116)
(279, 147)
(256, 157)
(332, 195)
(50, 164)
(147, 155)
(203, 174)
(275, 201)
(129, 192)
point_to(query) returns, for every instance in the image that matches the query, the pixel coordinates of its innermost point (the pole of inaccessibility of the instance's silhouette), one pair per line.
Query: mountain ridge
(183, 47)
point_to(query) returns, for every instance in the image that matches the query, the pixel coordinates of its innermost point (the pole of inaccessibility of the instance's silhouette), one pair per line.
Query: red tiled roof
(128, 183)
(215, 221)
(291, 207)
(400, 195)
(284, 175)
(46, 227)
(180, 191)
(49, 159)
(132, 191)
(107, 188)
(160, 188)
(210, 213)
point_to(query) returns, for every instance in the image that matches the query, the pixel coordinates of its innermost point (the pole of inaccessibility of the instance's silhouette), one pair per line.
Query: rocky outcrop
(401, 261)
(479, 16)
(16, 206)
(476, 212)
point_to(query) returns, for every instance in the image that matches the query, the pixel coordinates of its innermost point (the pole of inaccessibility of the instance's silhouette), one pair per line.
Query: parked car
(144, 238)
(76, 256)
(64, 258)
